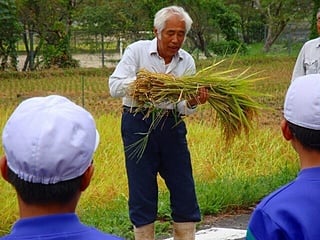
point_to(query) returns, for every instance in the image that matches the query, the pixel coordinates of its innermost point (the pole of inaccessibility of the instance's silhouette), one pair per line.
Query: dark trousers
(166, 153)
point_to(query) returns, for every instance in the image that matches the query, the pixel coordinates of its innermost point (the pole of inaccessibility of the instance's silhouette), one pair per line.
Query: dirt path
(238, 220)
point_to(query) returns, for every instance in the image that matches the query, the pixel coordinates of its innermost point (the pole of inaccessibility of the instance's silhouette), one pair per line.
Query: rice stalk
(137, 148)
(231, 94)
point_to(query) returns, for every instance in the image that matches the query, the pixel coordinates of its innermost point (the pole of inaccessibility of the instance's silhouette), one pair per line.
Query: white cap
(302, 102)
(49, 140)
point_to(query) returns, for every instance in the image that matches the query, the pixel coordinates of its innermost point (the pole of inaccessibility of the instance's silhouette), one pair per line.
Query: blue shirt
(291, 212)
(143, 54)
(55, 227)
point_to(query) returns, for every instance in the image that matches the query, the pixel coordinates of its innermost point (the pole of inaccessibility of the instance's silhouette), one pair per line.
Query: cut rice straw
(232, 95)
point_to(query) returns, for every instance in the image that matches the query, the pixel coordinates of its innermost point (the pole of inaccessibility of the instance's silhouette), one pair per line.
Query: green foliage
(313, 19)
(224, 194)
(223, 48)
(50, 22)
(210, 18)
(117, 17)
(58, 55)
(252, 23)
(278, 13)
(228, 21)
(100, 19)
(9, 34)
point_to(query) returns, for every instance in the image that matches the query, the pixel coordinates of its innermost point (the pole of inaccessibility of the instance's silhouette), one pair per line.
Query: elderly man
(167, 151)
(308, 60)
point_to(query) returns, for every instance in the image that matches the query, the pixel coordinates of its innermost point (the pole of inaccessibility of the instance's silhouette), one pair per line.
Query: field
(228, 176)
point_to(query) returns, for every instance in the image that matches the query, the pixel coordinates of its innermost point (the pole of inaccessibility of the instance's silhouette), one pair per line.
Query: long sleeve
(143, 55)
(124, 74)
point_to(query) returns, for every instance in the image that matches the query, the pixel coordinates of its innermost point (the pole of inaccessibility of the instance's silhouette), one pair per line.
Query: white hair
(163, 14)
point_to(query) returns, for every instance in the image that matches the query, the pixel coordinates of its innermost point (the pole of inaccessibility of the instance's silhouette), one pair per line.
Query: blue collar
(50, 224)
(310, 173)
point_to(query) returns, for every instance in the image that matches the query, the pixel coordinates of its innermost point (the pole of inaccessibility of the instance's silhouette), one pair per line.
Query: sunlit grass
(233, 175)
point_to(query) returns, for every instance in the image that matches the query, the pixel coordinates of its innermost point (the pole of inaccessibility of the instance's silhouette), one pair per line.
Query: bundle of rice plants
(232, 95)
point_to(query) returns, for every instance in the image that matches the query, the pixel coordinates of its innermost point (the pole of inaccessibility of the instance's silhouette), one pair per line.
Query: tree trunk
(273, 33)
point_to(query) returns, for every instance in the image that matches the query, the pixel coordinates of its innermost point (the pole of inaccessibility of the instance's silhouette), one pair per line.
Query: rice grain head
(232, 95)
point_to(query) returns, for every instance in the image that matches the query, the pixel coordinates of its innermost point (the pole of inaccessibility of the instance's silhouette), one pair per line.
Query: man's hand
(200, 98)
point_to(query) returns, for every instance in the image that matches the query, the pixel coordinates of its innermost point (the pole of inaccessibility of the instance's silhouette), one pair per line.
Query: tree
(134, 19)
(210, 18)
(118, 17)
(252, 22)
(50, 22)
(9, 34)
(278, 13)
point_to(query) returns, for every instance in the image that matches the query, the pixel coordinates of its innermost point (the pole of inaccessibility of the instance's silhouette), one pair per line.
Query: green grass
(277, 49)
(227, 177)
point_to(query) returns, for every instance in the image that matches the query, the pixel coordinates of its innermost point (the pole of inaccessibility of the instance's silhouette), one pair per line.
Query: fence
(97, 51)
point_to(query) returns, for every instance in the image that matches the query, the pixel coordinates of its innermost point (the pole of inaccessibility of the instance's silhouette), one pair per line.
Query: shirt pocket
(311, 66)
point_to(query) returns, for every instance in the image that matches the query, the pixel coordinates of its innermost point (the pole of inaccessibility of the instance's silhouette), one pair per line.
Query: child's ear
(155, 32)
(4, 168)
(287, 134)
(86, 177)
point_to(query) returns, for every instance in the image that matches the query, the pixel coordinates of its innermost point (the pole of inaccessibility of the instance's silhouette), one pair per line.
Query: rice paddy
(230, 175)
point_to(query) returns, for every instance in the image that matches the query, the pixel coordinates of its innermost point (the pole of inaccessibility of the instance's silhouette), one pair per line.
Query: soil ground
(227, 226)
(236, 220)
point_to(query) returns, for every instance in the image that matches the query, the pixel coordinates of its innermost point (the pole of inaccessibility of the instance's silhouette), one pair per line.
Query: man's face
(172, 37)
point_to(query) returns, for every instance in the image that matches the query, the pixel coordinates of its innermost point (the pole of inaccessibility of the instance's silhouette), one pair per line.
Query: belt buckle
(128, 109)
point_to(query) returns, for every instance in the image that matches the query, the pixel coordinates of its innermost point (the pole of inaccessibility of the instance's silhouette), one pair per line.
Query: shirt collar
(50, 224)
(310, 173)
(153, 49)
(318, 39)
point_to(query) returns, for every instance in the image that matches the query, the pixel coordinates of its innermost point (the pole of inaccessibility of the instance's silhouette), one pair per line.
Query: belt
(166, 112)
(129, 109)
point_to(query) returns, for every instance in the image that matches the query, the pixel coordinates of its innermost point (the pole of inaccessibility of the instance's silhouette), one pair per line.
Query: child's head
(302, 110)
(49, 144)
